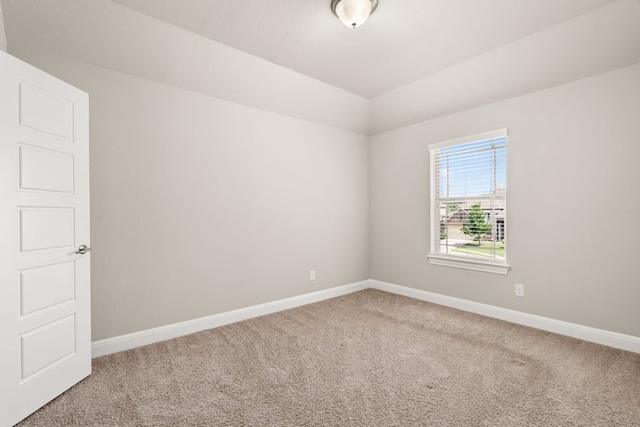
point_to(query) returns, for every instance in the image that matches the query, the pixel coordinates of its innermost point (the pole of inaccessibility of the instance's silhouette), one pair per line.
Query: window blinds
(468, 196)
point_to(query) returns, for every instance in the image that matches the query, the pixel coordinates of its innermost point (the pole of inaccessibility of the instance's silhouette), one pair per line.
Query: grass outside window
(484, 249)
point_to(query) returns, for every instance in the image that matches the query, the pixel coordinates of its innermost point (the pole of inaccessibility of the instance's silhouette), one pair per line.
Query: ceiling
(404, 40)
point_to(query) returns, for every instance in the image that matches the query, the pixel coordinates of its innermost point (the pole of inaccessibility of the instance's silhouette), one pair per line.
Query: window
(469, 202)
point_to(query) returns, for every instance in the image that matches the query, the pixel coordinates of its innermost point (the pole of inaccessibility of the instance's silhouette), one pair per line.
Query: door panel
(43, 287)
(45, 228)
(45, 111)
(45, 170)
(44, 216)
(43, 346)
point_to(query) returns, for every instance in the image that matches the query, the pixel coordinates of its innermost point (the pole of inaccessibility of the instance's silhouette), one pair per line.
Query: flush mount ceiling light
(353, 13)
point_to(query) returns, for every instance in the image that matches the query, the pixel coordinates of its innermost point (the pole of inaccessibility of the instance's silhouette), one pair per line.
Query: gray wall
(201, 206)
(3, 37)
(573, 180)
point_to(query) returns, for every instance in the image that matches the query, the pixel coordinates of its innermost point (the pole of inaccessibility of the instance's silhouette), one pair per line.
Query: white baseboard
(150, 336)
(586, 333)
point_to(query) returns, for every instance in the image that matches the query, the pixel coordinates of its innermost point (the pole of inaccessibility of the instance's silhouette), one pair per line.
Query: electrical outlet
(312, 275)
(519, 290)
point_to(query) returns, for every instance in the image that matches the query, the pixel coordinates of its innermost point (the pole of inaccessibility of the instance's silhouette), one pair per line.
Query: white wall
(602, 40)
(573, 202)
(201, 206)
(3, 38)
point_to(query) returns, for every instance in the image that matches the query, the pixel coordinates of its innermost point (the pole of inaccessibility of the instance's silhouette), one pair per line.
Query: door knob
(83, 249)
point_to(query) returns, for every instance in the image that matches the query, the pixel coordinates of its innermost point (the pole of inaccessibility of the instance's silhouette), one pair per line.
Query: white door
(45, 335)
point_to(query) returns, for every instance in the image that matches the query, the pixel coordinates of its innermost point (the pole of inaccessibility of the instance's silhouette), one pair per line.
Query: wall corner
(3, 37)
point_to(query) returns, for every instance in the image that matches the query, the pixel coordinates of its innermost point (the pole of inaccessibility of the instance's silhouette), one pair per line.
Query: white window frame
(449, 260)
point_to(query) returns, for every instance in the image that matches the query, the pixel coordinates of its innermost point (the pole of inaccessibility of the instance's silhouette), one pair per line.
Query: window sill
(469, 264)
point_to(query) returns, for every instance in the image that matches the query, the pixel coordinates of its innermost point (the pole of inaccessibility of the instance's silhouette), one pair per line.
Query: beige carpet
(365, 359)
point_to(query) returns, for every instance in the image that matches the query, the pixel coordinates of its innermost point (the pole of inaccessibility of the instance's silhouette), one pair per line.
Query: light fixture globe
(353, 13)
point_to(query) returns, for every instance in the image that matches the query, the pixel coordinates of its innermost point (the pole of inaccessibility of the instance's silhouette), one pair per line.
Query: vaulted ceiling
(404, 40)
